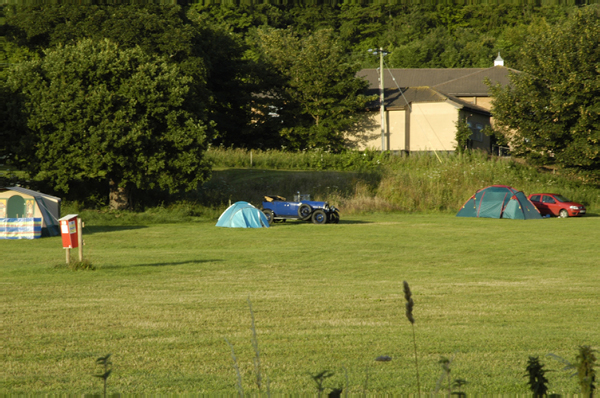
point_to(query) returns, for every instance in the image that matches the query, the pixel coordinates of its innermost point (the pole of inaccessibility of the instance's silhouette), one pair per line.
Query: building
(422, 108)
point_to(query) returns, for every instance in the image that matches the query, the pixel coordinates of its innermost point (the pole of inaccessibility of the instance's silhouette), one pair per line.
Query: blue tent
(242, 215)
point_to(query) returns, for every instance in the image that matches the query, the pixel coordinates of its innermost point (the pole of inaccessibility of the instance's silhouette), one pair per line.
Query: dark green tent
(499, 201)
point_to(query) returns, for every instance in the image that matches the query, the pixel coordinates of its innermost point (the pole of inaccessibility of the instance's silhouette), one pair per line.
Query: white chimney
(499, 61)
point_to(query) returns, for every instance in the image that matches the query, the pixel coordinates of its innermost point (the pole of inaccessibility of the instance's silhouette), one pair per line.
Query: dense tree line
(551, 113)
(260, 76)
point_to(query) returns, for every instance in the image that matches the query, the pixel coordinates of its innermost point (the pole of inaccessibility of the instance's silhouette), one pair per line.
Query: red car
(556, 205)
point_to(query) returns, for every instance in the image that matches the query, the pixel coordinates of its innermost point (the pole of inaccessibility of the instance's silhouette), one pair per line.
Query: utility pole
(382, 99)
(381, 53)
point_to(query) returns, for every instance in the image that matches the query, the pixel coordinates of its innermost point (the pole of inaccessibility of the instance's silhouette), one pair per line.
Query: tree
(97, 112)
(232, 80)
(319, 95)
(551, 111)
(199, 48)
(159, 30)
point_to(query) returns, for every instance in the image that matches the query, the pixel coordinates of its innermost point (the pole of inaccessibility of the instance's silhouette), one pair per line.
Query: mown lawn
(488, 293)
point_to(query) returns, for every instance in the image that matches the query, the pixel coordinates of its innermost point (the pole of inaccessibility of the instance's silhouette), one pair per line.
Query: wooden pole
(68, 251)
(382, 99)
(80, 238)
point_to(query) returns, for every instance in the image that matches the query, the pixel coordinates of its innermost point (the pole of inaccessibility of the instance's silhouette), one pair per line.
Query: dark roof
(455, 82)
(394, 98)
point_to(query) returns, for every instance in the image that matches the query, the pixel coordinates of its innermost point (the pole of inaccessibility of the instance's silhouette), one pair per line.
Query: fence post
(80, 238)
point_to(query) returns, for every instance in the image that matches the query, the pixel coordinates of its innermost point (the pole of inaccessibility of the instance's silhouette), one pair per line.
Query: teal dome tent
(242, 215)
(499, 201)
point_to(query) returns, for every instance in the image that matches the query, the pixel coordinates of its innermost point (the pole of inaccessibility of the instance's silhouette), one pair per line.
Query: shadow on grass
(355, 222)
(278, 224)
(88, 230)
(157, 264)
(587, 215)
(166, 264)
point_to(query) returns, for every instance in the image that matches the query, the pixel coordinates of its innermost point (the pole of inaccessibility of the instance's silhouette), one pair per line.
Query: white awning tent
(19, 204)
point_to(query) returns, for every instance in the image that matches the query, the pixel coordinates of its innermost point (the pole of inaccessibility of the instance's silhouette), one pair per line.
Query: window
(535, 198)
(477, 132)
(548, 199)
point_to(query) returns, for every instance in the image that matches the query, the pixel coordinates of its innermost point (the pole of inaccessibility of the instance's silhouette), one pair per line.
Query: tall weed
(355, 182)
(316, 159)
(370, 181)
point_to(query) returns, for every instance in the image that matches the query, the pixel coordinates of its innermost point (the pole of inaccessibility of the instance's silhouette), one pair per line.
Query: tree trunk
(119, 197)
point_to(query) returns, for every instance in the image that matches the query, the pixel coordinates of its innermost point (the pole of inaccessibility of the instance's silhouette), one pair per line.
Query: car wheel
(334, 217)
(304, 212)
(269, 214)
(319, 217)
(563, 213)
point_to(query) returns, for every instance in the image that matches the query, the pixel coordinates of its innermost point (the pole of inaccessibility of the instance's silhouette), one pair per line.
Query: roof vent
(499, 61)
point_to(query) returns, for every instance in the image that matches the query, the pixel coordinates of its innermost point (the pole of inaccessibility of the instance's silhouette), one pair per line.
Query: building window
(477, 132)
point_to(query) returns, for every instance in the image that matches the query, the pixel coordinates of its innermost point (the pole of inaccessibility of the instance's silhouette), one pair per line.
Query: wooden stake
(80, 238)
(68, 251)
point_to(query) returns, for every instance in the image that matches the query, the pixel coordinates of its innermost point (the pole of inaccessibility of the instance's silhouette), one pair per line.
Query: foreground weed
(107, 369)
(409, 308)
(451, 384)
(459, 384)
(237, 369)
(85, 265)
(347, 382)
(256, 352)
(584, 367)
(445, 363)
(319, 379)
(256, 359)
(585, 370)
(538, 384)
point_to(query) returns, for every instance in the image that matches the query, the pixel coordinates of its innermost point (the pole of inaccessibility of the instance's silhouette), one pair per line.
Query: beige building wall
(484, 102)
(396, 130)
(366, 133)
(433, 127)
(430, 126)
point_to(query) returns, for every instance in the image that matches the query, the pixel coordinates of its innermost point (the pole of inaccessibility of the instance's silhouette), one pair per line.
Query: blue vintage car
(277, 208)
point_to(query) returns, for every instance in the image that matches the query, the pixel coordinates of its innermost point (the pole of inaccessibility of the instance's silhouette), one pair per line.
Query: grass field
(488, 293)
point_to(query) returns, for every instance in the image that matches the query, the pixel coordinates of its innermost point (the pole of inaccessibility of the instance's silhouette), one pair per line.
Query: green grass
(163, 297)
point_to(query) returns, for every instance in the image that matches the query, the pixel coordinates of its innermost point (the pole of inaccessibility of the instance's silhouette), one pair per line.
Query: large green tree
(196, 43)
(318, 94)
(98, 112)
(551, 112)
